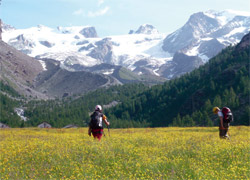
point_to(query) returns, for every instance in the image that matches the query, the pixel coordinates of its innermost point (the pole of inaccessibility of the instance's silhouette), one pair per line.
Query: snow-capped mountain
(202, 37)
(144, 51)
(207, 27)
(70, 46)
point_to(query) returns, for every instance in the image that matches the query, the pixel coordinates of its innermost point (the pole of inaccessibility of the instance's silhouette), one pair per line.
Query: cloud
(100, 2)
(100, 12)
(78, 12)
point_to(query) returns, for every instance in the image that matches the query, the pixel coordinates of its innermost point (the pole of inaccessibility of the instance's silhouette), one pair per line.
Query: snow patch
(43, 65)
(206, 39)
(235, 31)
(194, 51)
(111, 71)
(204, 58)
(155, 72)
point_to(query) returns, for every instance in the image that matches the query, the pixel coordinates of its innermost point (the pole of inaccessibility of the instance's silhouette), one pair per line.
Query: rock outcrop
(89, 32)
(103, 51)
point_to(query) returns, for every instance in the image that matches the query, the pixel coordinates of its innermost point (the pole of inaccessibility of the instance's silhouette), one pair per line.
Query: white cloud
(240, 13)
(100, 2)
(78, 12)
(100, 12)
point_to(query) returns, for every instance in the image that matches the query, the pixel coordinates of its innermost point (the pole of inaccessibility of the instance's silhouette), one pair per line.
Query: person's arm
(105, 120)
(89, 131)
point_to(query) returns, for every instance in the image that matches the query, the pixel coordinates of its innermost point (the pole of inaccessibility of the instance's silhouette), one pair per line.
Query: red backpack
(227, 115)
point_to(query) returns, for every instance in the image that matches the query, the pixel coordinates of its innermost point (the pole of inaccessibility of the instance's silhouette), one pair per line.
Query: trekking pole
(109, 131)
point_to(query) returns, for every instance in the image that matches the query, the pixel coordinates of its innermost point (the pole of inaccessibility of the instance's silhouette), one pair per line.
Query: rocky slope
(19, 70)
(58, 82)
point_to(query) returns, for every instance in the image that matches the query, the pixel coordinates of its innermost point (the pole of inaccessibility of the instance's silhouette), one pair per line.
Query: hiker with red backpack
(226, 117)
(96, 123)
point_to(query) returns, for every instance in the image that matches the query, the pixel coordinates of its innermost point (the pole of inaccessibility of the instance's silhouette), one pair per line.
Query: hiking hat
(98, 108)
(215, 109)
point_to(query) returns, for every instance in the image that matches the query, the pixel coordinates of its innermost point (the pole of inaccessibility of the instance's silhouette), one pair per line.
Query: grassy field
(150, 153)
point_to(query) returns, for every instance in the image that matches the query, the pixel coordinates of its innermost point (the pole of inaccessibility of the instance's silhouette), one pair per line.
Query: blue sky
(110, 17)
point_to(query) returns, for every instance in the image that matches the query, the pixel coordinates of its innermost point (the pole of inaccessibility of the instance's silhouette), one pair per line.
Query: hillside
(9, 100)
(19, 70)
(184, 101)
(58, 82)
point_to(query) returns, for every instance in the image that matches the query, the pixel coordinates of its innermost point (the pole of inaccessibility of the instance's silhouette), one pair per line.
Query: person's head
(216, 110)
(98, 108)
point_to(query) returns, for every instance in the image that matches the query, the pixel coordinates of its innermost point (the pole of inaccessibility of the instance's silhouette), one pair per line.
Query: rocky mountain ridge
(143, 51)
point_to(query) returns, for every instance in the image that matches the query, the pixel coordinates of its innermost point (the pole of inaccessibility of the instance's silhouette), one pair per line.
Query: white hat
(98, 108)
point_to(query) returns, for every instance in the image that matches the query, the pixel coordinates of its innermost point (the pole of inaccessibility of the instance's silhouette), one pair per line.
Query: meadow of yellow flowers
(149, 153)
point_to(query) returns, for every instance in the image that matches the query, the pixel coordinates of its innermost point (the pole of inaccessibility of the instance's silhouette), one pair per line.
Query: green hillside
(8, 102)
(128, 75)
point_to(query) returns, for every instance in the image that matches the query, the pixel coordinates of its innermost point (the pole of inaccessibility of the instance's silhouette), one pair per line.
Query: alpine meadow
(142, 105)
(142, 153)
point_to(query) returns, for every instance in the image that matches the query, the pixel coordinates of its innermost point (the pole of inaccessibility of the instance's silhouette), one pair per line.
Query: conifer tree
(217, 101)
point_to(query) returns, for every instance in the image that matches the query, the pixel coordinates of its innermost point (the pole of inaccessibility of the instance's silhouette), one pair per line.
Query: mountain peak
(225, 27)
(201, 20)
(6, 27)
(225, 16)
(145, 29)
(41, 26)
(86, 31)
